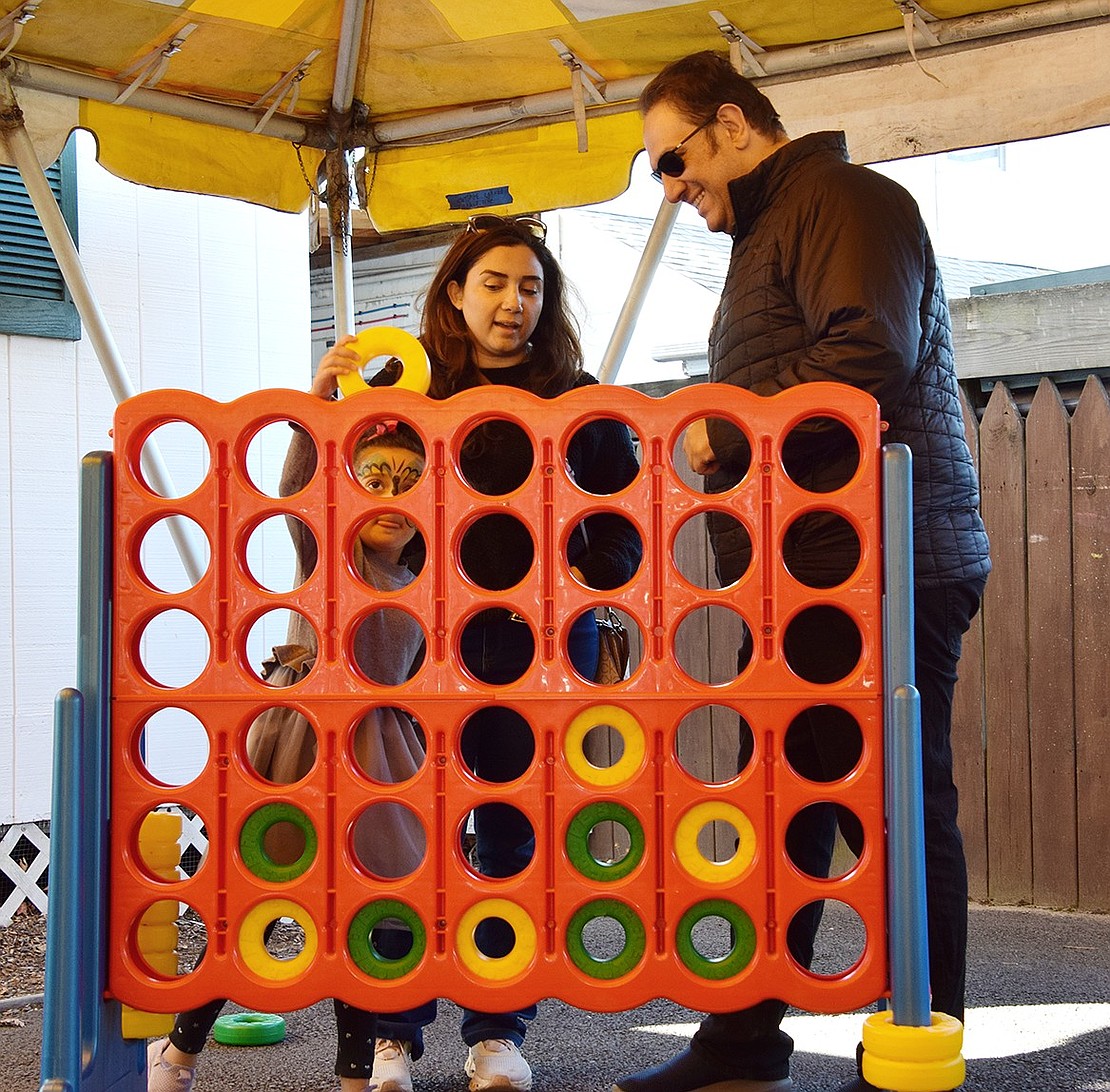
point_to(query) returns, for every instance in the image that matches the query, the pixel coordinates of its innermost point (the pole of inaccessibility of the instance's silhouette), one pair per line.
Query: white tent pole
(346, 61)
(637, 292)
(22, 154)
(339, 177)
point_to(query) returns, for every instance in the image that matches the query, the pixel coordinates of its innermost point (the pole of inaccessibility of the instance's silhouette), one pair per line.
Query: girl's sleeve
(300, 465)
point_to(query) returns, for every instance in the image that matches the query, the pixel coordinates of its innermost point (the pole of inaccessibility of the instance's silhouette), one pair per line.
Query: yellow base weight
(156, 936)
(902, 1058)
(144, 1025)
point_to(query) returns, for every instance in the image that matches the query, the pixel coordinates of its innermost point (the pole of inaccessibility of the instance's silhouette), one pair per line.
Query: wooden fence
(1031, 725)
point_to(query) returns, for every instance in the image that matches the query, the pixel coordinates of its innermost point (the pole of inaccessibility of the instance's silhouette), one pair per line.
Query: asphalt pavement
(1038, 1021)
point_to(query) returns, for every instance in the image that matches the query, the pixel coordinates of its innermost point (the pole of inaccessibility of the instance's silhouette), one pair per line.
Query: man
(832, 277)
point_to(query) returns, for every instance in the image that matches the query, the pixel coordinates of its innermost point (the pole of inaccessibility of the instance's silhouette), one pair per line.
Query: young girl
(388, 460)
(497, 312)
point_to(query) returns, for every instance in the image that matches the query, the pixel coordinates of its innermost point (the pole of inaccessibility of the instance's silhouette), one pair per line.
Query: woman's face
(386, 472)
(500, 300)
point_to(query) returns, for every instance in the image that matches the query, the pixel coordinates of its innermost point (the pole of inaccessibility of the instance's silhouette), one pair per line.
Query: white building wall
(200, 293)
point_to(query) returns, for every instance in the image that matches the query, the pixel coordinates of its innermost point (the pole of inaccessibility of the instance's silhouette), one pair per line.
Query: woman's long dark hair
(556, 353)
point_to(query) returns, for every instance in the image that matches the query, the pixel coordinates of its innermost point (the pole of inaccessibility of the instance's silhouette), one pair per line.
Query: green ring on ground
(249, 1029)
(635, 939)
(743, 939)
(578, 840)
(254, 830)
(362, 951)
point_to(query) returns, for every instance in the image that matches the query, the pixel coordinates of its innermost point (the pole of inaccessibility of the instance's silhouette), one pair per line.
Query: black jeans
(750, 1044)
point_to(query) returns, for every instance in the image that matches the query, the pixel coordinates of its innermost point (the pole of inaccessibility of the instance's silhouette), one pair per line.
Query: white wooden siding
(200, 293)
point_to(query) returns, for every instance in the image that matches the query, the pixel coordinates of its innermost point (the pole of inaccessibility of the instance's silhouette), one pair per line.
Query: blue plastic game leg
(83, 1048)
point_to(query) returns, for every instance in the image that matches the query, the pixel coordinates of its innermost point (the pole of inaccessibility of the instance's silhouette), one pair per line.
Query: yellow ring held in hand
(496, 969)
(252, 946)
(416, 371)
(694, 861)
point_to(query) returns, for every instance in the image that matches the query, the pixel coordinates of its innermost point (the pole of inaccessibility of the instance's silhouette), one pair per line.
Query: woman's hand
(699, 454)
(339, 360)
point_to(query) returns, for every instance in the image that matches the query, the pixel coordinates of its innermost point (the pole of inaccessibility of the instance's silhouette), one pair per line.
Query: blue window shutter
(34, 299)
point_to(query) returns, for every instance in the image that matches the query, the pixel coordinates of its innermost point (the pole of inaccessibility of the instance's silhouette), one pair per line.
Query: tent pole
(22, 154)
(339, 233)
(637, 291)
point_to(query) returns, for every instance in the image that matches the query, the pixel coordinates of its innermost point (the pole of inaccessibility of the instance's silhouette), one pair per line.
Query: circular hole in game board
(608, 434)
(388, 745)
(284, 938)
(820, 454)
(603, 746)
(693, 556)
(392, 939)
(504, 841)
(497, 646)
(711, 937)
(388, 551)
(173, 746)
(726, 435)
(496, 551)
(496, 457)
(161, 562)
(388, 840)
(271, 557)
(714, 743)
(386, 456)
(270, 632)
(604, 938)
(841, 937)
(169, 939)
(184, 453)
(281, 745)
(609, 621)
(494, 937)
(388, 646)
(601, 531)
(804, 832)
(706, 644)
(718, 841)
(821, 549)
(266, 452)
(497, 744)
(823, 743)
(173, 648)
(822, 644)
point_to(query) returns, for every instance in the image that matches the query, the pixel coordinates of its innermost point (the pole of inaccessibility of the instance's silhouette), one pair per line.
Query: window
(34, 299)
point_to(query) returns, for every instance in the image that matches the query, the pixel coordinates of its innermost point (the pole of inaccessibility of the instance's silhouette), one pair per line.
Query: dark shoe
(687, 1073)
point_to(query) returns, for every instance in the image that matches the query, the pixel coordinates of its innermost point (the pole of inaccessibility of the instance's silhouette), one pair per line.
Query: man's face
(709, 158)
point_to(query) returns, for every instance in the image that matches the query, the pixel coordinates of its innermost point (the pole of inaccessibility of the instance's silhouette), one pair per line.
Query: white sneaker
(392, 1059)
(497, 1064)
(163, 1076)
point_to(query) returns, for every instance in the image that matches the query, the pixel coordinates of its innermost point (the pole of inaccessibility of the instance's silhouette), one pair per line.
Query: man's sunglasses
(670, 162)
(490, 222)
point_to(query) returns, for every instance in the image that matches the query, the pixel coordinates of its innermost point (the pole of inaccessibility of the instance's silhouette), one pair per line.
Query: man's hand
(695, 444)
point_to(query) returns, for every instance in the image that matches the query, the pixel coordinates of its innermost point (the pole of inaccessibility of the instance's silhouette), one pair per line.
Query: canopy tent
(452, 106)
(465, 104)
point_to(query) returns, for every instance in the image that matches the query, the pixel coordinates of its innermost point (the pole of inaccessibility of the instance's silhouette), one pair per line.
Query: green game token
(578, 835)
(249, 1029)
(635, 939)
(743, 942)
(254, 831)
(366, 957)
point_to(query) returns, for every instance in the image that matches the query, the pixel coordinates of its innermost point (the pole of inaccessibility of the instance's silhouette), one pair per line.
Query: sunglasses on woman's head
(670, 162)
(490, 221)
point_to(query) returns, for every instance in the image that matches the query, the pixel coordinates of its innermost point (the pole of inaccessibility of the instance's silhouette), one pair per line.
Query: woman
(497, 312)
